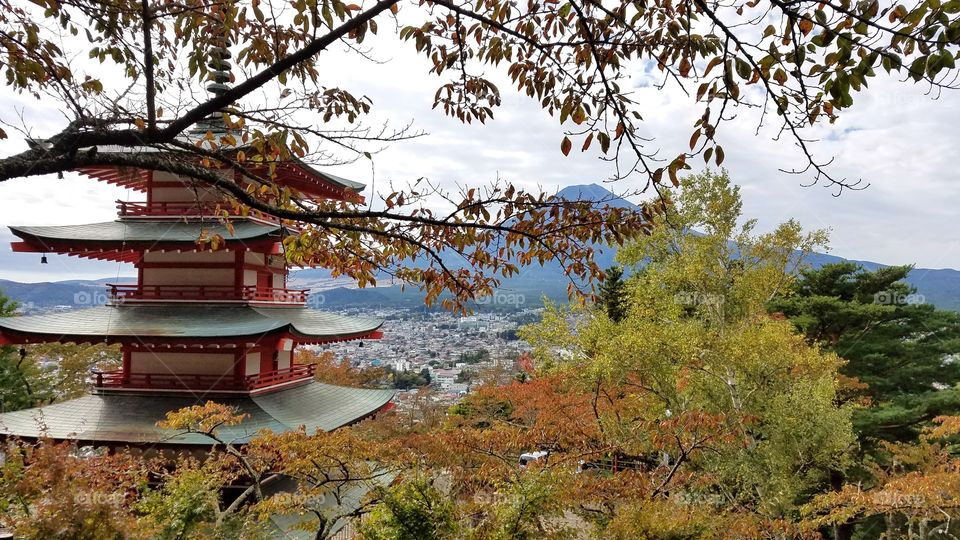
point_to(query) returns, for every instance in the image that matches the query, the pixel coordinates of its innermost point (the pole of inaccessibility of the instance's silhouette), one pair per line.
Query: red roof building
(202, 321)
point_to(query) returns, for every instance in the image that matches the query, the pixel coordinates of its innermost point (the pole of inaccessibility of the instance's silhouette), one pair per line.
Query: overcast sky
(896, 138)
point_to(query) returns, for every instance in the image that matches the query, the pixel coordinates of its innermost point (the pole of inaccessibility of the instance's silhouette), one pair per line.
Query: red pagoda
(199, 323)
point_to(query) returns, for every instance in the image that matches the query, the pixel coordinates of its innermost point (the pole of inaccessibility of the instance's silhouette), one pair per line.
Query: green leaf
(918, 68)
(947, 59)
(743, 69)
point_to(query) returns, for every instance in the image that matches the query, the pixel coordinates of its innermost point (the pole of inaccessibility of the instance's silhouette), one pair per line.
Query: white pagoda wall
(283, 359)
(222, 256)
(188, 276)
(249, 277)
(254, 359)
(278, 280)
(185, 193)
(253, 364)
(181, 363)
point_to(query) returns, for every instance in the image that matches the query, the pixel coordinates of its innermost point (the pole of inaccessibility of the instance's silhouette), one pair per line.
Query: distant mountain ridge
(940, 287)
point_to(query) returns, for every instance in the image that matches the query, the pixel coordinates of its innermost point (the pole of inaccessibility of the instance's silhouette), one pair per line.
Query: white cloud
(896, 138)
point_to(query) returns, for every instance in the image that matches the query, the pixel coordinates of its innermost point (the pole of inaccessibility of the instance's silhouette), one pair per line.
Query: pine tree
(612, 296)
(899, 347)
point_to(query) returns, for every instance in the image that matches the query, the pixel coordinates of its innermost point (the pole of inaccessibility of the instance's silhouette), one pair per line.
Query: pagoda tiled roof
(142, 231)
(131, 419)
(191, 139)
(188, 322)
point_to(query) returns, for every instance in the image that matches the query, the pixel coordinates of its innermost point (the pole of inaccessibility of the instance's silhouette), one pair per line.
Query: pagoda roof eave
(350, 188)
(123, 240)
(113, 419)
(147, 231)
(179, 324)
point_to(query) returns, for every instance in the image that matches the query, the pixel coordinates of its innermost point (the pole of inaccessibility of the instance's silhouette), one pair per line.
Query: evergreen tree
(899, 347)
(612, 297)
(18, 374)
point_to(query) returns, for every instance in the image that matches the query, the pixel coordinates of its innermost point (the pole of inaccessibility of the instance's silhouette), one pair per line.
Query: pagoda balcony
(125, 293)
(119, 380)
(181, 209)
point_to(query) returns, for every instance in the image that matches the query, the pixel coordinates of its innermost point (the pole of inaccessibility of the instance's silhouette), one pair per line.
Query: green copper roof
(132, 418)
(147, 231)
(190, 321)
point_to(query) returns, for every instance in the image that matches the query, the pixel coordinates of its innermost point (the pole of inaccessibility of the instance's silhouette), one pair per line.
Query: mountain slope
(940, 287)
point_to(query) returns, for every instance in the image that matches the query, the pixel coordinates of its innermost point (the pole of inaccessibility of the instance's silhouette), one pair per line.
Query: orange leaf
(586, 143)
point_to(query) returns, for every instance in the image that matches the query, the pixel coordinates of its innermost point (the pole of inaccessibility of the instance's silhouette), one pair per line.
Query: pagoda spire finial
(219, 77)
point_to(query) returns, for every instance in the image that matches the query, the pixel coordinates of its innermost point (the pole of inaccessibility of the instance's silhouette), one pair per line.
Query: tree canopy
(125, 75)
(698, 414)
(25, 382)
(898, 348)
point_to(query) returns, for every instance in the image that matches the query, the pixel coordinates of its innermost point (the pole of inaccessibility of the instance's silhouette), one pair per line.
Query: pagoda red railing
(184, 208)
(170, 381)
(214, 293)
(295, 372)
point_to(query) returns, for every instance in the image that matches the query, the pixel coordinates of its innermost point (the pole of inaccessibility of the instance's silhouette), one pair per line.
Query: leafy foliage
(22, 382)
(698, 354)
(125, 75)
(913, 493)
(897, 347)
(338, 371)
(74, 363)
(412, 510)
(698, 415)
(49, 491)
(185, 506)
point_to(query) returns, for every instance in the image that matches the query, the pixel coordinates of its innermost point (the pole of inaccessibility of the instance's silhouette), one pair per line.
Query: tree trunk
(843, 531)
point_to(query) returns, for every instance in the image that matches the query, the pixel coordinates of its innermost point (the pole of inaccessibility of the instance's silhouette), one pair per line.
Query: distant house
(472, 323)
(445, 378)
(459, 388)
